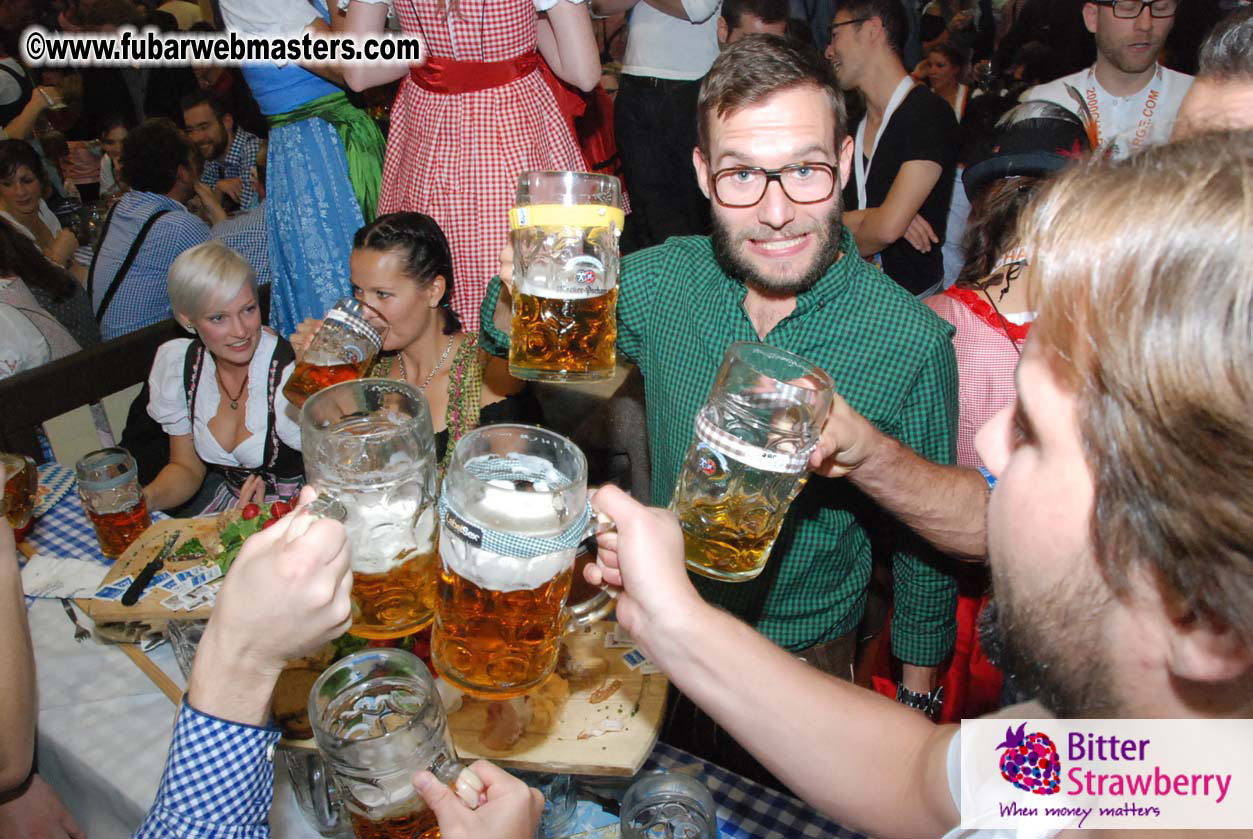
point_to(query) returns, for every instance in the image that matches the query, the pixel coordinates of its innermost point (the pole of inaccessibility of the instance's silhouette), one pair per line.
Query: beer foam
(382, 533)
(495, 572)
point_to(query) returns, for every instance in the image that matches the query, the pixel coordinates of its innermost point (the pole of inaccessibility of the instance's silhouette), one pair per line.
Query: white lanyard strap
(862, 161)
(1148, 111)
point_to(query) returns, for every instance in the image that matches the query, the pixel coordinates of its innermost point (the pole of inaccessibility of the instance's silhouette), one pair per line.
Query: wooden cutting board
(142, 551)
(638, 705)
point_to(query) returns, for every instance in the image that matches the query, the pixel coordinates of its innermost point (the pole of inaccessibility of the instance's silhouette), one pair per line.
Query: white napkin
(61, 576)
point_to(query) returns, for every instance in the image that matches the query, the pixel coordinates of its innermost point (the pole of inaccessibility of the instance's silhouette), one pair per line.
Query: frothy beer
(563, 336)
(499, 619)
(309, 377)
(392, 539)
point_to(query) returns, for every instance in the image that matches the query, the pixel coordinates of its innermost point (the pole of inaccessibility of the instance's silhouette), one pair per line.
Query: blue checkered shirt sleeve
(236, 162)
(218, 781)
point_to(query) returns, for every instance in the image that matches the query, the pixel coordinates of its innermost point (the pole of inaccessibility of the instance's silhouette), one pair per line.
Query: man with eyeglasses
(1131, 98)
(781, 268)
(905, 148)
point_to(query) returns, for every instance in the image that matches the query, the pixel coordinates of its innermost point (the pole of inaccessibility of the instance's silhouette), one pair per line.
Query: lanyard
(862, 161)
(1148, 111)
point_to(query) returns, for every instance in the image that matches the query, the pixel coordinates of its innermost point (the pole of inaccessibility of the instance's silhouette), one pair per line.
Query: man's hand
(847, 439)
(509, 809)
(506, 266)
(921, 235)
(644, 558)
(285, 596)
(209, 203)
(37, 813)
(232, 187)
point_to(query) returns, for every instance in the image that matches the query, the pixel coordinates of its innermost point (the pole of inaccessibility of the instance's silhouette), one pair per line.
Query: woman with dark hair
(113, 131)
(946, 67)
(402, 267)
(22, 189)
(990, 307)
(56, 290)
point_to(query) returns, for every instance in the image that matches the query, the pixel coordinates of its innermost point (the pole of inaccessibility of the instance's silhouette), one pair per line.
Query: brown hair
(1145, 308)
(991, 228)
(755, 68)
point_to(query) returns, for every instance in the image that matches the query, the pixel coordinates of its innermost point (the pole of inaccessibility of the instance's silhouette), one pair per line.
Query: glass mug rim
(101, 459)
(415, 669)
(460, 457)
(531, 178)
(374, 382)
(740, 351)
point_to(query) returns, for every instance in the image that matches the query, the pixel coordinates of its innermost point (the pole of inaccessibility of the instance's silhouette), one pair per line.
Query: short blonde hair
(207, 276)
(1144, 295)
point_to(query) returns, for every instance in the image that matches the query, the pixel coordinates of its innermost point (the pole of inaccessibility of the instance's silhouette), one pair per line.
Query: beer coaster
(54, 483)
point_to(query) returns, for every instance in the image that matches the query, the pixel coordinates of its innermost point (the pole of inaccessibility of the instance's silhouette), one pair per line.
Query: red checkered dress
(456, 157)
(985, 362)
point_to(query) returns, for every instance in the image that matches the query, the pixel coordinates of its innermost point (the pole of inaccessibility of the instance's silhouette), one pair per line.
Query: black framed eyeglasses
(745, 186)
(1134, 8)
(835, 26)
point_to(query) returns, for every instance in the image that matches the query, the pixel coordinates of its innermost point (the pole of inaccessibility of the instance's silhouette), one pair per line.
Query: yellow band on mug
(566, 215)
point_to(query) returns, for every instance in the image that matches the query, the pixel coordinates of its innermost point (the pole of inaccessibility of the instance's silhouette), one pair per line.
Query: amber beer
(572, 338)
(730, 538)
(307, 379)
(403, 596)
(21, 483)
(498, 644)
(116, 531)
(416, 824)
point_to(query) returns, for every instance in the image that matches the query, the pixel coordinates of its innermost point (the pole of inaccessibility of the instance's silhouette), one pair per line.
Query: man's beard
(1126, 63)
(215, 149)
(727, 254)
(1051, 650)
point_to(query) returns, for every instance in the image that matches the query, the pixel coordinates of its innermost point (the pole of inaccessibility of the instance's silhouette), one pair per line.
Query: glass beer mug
(21, 484)
(368, 444)
(512, 516)
(749, 459)
(378, 719)
(342, 349)
(108, 484)
(565, 276)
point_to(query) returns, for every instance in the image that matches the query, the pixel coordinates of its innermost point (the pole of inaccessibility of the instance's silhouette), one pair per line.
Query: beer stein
(342, 349)
(749, 459)
(368, 445)
(668, 804)
(512, 516)
(377, 719)
(108, 484)
(21, 483)
(565, 276)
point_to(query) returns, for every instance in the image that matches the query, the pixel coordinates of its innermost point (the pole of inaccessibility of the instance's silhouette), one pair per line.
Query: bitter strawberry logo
(1030, 761)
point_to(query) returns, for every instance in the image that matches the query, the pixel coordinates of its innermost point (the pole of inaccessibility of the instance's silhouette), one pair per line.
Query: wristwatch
(928, 703)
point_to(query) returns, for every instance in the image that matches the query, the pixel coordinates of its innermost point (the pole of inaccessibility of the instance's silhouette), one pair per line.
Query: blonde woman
(234, 438)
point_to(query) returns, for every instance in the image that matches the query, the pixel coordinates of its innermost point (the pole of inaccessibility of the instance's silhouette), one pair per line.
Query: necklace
(234, 400)
(401, 359)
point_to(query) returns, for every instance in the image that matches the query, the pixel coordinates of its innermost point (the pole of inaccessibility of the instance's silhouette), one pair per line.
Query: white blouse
(540, 5)
(167, 403)
(46, 215)
(268, 17)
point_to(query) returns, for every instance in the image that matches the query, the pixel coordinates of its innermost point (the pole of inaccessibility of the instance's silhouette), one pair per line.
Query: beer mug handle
(324, 798)
(598, 606)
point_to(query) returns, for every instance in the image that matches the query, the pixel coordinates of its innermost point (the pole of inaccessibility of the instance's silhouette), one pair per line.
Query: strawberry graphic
(1030, 761)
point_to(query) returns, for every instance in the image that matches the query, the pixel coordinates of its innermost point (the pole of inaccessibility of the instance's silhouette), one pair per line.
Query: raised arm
(568, 44)
(866, 761)
(946, 505)
(365, 18)
(875, 228)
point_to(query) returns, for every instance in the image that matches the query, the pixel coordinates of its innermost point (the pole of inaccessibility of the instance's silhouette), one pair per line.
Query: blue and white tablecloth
(61, 526)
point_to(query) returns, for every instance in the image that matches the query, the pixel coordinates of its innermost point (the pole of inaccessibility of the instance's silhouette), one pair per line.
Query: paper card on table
(176, 602)
(115, 589)
(618, 638)
(61, 576)
(198, 575)
(636, 660)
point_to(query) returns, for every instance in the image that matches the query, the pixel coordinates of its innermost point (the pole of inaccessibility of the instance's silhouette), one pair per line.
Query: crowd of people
(1019, 251)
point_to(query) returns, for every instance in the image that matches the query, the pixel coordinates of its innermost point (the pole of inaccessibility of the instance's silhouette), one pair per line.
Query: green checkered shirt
(889, 356)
